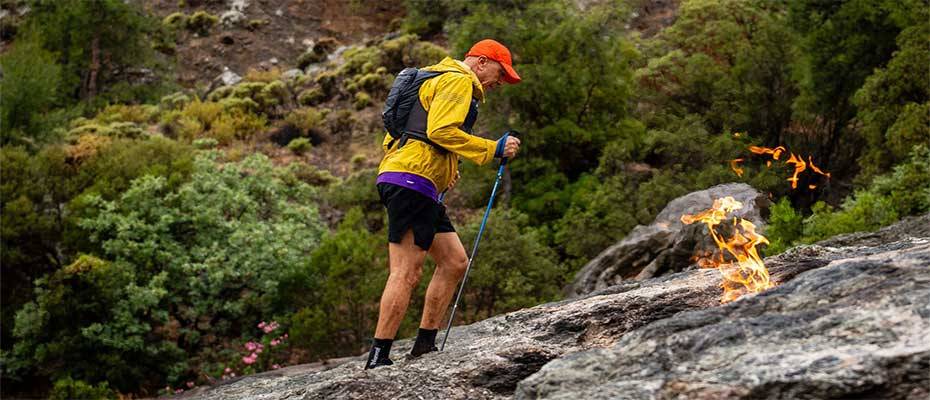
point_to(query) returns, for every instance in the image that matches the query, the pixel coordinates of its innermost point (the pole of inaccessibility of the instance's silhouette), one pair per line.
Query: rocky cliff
(849, 319)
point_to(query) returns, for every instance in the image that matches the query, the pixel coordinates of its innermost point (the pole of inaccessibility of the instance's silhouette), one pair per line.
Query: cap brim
(510, 76)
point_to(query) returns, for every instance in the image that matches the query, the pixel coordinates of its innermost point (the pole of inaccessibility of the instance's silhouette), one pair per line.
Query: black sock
(425, 343)
(427, 336)
(380, 350)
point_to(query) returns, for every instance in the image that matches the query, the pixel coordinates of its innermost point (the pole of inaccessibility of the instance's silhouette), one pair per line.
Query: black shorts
(408, 209)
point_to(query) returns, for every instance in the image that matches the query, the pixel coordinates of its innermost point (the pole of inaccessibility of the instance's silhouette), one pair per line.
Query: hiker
(414, 172)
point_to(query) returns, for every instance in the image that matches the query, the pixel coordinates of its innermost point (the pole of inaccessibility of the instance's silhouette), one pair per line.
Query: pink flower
(250, 359)
(285, 336)
(232, 375)
(179, 391)
(251, 346)
(227, 370)
(261, 324)
(190, 384)
(275, 366)
(274, 343)
(258, 350)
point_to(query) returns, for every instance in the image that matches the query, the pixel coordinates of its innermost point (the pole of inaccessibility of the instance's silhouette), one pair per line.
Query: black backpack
(400, 101)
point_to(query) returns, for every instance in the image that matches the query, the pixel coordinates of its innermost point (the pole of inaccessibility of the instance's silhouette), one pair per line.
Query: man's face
(490, 73)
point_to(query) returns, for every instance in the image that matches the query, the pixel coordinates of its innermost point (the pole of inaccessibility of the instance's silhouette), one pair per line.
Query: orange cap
(493, 50)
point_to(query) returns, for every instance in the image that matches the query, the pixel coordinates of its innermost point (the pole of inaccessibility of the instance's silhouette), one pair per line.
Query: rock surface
(667, 245)
(844, 322)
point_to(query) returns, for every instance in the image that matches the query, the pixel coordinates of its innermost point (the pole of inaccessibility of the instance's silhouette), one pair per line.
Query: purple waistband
(409, 181)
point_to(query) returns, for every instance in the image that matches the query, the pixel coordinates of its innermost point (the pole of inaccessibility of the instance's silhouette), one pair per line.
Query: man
(412, 174)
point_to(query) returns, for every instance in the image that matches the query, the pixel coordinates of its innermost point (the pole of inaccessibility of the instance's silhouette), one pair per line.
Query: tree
(97, 42)
(29, 87)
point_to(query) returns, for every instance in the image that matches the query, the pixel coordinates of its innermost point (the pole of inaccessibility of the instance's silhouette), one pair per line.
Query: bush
(175, 101)
(311, 97)
(175, 20)
(29, 88)
(67, 388)
(905, 191)
(362, 100)
(200, 22)
(306, 119)
(342, 309)
(513, 269)
(300, 145)
(201, 262)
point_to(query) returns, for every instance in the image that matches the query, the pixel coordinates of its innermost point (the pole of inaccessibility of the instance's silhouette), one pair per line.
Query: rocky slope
(849, 319)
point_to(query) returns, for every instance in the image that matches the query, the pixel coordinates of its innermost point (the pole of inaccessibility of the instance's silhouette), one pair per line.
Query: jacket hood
(449, 64)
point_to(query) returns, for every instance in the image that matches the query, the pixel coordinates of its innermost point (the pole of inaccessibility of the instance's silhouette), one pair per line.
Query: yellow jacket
(446, 98)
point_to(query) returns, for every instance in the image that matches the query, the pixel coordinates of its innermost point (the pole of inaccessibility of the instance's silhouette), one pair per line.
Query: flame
(815, 169)
(735, 167)
(776, 152)
(799, 166)
(747, 274)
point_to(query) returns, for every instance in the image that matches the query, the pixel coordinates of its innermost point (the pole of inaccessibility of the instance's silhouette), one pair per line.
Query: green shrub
(341, 307)
(200, 22)
(362, 100)
(67, 389)
(175, 101)
(175, 20)
(309, 57)
(311, 97)
(903, 192)
(201, 264)
(785, 227)
(514, 270)
(237, 125)
(306, 119)
(205, 143)
(300, 145)
(311, 175)
(139, 114)
(29, 88)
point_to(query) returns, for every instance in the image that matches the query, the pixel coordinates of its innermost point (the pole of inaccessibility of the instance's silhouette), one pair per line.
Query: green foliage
(299, 146)
(785, 226)
(311, 97)
(306, 119)
(199, 262)
(894, 103)
(362, 100)
(513, 268)
(201, 22)
(726, 60)
(95, 41)
(67, 388)
(342, 303)
(841, 46)
(29, 88)
(175, 20)
(905, 191)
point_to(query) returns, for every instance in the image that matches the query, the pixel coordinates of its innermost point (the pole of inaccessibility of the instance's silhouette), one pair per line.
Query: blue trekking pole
(474, 250)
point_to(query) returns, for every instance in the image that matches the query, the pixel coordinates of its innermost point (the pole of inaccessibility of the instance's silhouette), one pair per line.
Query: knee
(411, 276)
(457, 264)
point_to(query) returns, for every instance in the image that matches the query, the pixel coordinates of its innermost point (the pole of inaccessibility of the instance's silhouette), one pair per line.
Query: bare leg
(406, 260)
(451, 261)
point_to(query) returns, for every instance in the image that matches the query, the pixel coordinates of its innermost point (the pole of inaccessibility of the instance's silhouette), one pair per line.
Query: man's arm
(447, 111)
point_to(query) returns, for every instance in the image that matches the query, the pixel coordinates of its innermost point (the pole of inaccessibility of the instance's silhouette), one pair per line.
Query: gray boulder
(844, 322)
(667, 245)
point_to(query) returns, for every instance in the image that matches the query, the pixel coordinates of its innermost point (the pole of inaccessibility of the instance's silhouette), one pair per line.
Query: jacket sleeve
(447, 111)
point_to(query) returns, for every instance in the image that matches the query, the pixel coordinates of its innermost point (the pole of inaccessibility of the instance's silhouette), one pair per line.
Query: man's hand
(511, 147)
